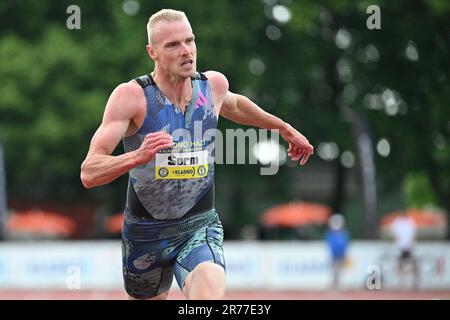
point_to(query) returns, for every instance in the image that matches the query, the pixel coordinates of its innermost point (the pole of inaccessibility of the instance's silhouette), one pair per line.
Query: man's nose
(185, 49)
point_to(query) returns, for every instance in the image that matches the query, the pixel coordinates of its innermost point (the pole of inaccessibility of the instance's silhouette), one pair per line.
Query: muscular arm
(242, 110)
(100, 167)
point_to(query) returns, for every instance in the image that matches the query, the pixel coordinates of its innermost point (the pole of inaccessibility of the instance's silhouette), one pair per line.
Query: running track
(235, 295)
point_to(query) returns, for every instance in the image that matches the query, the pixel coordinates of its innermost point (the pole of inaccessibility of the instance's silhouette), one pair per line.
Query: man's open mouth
(188, 62)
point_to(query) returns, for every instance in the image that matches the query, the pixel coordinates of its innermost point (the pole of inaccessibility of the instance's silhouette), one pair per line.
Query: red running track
(233, 295)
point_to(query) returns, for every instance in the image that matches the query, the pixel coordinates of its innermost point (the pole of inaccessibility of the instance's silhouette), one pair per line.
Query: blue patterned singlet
(172, 183)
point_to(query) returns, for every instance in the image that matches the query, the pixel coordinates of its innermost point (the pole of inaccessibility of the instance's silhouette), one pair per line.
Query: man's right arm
(100, 167)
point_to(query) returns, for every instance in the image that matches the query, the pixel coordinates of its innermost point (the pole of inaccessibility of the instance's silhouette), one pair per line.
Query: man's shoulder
(129, 88)
(214, 75)
(127, 96)
(218, 81)
(128, 92)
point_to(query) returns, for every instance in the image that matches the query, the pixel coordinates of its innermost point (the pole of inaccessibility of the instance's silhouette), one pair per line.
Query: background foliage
(310, 71)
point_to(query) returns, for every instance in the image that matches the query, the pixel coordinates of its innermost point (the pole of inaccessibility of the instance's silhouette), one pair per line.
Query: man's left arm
(242, 110)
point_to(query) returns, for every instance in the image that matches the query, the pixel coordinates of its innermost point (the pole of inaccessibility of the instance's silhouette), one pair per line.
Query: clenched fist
(153, 142)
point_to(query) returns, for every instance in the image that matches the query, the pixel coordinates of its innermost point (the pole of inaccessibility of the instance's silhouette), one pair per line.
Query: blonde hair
(168, 15)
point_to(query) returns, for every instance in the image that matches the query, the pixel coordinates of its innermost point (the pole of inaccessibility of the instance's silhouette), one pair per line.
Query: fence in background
(96, 265)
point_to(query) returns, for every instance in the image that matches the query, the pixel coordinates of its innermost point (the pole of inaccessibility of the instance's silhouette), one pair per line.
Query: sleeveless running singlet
(180, 180)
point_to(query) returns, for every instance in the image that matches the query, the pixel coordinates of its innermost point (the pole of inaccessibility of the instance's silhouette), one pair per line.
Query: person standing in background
(404, 232)
(338, 239)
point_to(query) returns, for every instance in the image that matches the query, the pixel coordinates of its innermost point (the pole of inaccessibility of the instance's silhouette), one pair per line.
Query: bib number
(186, 165)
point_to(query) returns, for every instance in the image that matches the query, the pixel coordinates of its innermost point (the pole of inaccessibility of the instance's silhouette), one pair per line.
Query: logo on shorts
(144, 261)
(163, 172)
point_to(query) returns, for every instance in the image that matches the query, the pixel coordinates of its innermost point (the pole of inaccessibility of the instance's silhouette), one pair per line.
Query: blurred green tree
(308, 62)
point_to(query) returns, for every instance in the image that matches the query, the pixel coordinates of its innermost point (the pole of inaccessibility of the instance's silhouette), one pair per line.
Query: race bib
(183, 165)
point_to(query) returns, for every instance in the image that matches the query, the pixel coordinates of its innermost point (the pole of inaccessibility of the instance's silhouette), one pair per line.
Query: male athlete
(164, 118)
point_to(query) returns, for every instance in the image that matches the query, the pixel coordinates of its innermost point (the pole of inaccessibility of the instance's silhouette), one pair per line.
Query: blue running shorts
(154, 250)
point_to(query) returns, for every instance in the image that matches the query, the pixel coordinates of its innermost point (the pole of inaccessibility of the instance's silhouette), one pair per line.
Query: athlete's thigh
(146, 271)
(206, 244)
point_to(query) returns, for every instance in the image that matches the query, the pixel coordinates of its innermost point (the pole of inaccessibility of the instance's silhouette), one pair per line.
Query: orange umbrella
(41, 223)
(429, 223)
(423, 218)
(295, 214)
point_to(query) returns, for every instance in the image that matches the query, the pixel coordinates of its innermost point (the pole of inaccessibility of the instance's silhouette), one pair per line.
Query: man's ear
(151, 52)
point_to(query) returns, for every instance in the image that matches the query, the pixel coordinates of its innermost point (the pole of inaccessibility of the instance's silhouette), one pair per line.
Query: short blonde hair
(168, 15)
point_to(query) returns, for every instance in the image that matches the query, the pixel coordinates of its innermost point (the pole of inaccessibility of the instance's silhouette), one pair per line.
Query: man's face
(174, 48)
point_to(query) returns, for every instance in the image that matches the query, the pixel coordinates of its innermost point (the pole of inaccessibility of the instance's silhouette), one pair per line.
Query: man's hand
(299, 146)
(153, 142)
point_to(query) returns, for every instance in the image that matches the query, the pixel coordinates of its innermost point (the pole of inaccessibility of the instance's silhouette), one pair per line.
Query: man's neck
(177, 90)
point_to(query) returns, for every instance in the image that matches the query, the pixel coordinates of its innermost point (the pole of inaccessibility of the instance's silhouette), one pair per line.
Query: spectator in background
(337, 239)
(404, 232)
